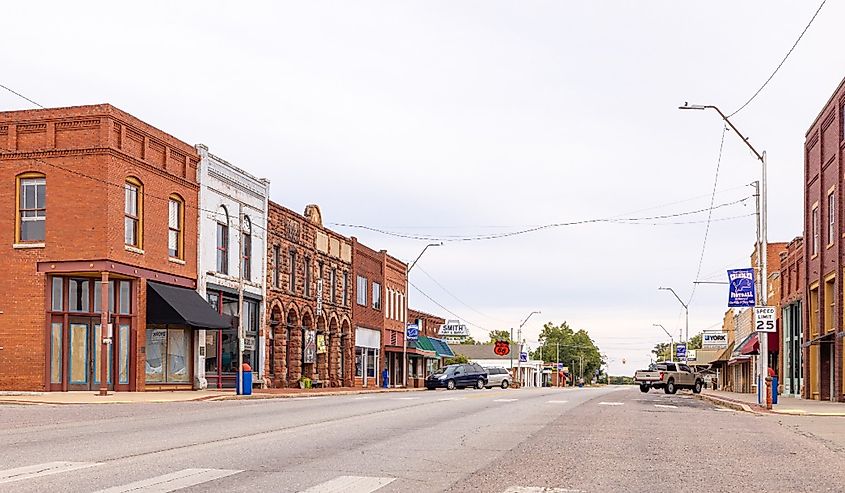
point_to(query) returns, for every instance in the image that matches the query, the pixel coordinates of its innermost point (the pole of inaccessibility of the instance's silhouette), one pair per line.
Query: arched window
(246, 255)
(31, 208)
(176, 227)
(222, 240)
(133, 213)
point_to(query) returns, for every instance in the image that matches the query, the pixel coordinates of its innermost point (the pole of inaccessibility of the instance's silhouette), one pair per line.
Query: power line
(16, 93)
(709, 214)
(536, 228)
(781, 62)
(443, 307)
(455, 296)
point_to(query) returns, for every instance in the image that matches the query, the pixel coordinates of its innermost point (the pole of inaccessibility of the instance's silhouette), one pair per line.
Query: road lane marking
(724, 409)
(539, 489)
(173, 481)
(452, 399)
(556, 402)
(38, 470)
(350, 484)
(360, 398)
(667, 406)
(610, 403)
(504, 400)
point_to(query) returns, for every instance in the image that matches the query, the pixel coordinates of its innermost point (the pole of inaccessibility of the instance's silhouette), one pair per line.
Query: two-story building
(791, 317)
(232, 238)
(99, 253)
(308, 300)
(824, 252)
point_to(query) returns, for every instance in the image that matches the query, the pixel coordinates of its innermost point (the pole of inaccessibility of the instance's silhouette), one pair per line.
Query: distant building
(528, 373)
(792, 317)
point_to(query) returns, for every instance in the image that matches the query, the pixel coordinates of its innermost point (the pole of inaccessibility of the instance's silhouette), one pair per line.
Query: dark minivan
(458, 377)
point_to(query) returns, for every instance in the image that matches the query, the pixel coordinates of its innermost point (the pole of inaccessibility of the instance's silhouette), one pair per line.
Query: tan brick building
(308, 300)
(100, 224)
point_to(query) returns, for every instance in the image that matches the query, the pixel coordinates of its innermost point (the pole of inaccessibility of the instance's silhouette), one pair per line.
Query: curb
(737, 406)
(264, 396)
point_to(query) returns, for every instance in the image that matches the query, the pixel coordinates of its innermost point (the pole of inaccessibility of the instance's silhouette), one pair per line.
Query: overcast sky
(465, 118)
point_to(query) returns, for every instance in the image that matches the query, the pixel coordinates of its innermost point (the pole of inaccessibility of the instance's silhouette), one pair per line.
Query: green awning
(441, 347)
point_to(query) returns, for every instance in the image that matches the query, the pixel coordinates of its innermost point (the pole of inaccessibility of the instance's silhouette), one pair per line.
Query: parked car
(670, 377)
(458, 376)
(498, 377)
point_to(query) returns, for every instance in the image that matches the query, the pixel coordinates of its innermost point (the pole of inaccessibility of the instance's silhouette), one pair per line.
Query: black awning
(173, 305)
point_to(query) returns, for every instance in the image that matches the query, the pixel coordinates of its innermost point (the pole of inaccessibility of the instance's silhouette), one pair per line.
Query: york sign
(714, 339)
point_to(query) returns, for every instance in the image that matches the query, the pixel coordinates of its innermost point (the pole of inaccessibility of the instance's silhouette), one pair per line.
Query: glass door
(79, 370)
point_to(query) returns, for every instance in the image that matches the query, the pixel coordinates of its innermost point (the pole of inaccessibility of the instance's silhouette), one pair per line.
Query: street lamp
(762, 239)
(671, 341)
(519, 347)
(405, 321)
(686, 310)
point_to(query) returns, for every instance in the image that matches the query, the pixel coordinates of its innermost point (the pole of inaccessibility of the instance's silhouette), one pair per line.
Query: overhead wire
(441, 286)
(753, 96)
(443, 307)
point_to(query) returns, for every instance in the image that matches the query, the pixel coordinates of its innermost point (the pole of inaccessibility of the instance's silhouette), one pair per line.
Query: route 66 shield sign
(502, 348)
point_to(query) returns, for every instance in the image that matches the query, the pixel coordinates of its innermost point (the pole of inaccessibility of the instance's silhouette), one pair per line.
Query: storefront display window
(168, 356)
(177, 356)
(212, 362)
(359, 362)
(57, 294)
(372, 355)
(78, 295)
(56, 353)
(156, 349)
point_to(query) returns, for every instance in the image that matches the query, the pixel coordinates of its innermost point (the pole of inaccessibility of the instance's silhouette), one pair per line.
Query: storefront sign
(453, 328)
(309, 349)
(413, 332)
(249, 343)
(691, 356)
(321, 344)
(158, 336)
(714, 339)
(741, 288)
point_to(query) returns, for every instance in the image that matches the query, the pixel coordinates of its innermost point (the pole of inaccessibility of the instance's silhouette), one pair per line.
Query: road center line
(610, 403)
(38, 470)
(667, 406)
(504, 400)
(556, 402)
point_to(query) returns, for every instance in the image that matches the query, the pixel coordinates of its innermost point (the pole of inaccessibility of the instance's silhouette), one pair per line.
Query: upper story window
(831, 216)
(333, 284)
(132, 212)
(246, 255)
(176, 227)
(307, 276)
(345, 294)
(815, 228)
(32, 210)
(361, 291)
(222, 240)
(277, 260)
(292, 274)
(377, 296)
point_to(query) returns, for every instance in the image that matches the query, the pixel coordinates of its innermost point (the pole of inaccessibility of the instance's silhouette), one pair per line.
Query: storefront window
(78, 295)
(229, 351)
(125, 298)
(56, 352)
(123, 353)
(156, 347)
(372, 355)
(168, 355)
(57, 294)
(177, 356)
(359, 362)
(212, 363)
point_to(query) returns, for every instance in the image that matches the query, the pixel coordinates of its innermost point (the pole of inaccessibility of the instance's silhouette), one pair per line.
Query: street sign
(691, 356)
(681, 351)
(764, 319)
(560, 366)
(502, 348)
(523, 357)
(413, 332)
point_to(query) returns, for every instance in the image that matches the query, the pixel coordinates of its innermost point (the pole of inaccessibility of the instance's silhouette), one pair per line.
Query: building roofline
(824, 108)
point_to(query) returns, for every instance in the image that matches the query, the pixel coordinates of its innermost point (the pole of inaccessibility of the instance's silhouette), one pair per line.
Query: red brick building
(433, 348)
(100, 206)
(823, 251)
(308, 299)
(791, 316)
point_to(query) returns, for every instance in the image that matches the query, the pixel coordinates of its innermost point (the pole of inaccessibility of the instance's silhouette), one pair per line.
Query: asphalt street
(602, 439)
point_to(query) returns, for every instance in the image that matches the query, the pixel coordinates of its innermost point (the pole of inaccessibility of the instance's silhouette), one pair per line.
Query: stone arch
(276, 342)
(346, 351)
(333, 352)
(307, 369)
(324, 357)
(293, 347)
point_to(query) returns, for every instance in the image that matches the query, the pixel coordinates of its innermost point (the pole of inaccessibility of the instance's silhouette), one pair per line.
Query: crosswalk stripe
(610, 403)
(173, 481)
(350, 484)
(556, 402)
(667, 406)
(47, 468)
(504, 400)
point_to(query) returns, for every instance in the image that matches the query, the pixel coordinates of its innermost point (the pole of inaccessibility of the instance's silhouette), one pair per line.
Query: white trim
(133, 249)
(24, 246)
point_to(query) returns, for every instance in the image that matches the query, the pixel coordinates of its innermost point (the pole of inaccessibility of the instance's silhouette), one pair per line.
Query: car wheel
(505, 384)
(697, 388)
(479, 384)
(670, 387)
(450, 385)
(644, 388)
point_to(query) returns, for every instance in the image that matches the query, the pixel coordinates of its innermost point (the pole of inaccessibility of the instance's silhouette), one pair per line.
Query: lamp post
(762, 241)
(405, 314)
(519, 342)
(686, 310)
(671, 342)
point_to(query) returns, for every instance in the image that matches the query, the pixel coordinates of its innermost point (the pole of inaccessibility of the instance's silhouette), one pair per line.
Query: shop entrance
(85, 355)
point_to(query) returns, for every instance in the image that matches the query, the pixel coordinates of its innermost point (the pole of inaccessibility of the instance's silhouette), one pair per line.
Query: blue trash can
(774, 390)
(247, 387)
(385, 378)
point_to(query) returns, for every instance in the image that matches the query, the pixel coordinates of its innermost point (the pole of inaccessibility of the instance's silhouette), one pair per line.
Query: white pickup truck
(670, 377)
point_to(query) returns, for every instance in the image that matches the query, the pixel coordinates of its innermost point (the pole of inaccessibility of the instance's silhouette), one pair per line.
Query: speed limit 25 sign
(764, 318)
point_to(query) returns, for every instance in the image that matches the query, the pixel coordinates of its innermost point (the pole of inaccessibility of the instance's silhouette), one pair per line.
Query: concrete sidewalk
(785, 405)
(92, 397)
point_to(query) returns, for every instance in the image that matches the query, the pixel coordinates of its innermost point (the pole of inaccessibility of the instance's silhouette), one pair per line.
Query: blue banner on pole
(413, 332)
(741, 292)
(681, 351)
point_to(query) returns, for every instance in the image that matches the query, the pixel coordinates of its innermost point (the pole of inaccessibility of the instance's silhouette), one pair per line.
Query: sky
(456, 119)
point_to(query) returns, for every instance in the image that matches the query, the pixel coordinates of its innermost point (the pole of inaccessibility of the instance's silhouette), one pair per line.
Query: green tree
(468, 340)
(559, 343)
(694, 342)
(500, 335)
(458, 358)
(662, 351)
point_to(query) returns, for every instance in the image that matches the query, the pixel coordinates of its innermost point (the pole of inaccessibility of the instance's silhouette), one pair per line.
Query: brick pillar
(295, 359)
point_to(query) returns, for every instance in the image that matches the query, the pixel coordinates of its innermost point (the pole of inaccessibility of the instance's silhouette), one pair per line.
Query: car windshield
(445, 369)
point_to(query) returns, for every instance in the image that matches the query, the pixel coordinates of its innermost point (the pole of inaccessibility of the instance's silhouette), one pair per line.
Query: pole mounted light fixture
(405, 322)
(686, 310)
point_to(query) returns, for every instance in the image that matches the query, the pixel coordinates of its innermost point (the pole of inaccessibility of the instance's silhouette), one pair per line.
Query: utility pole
(686, 311)
(405, 314)
(762, 240)
(557, 362)
(240, 389)
(513, 376)
(519, 346)
(671, 342)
